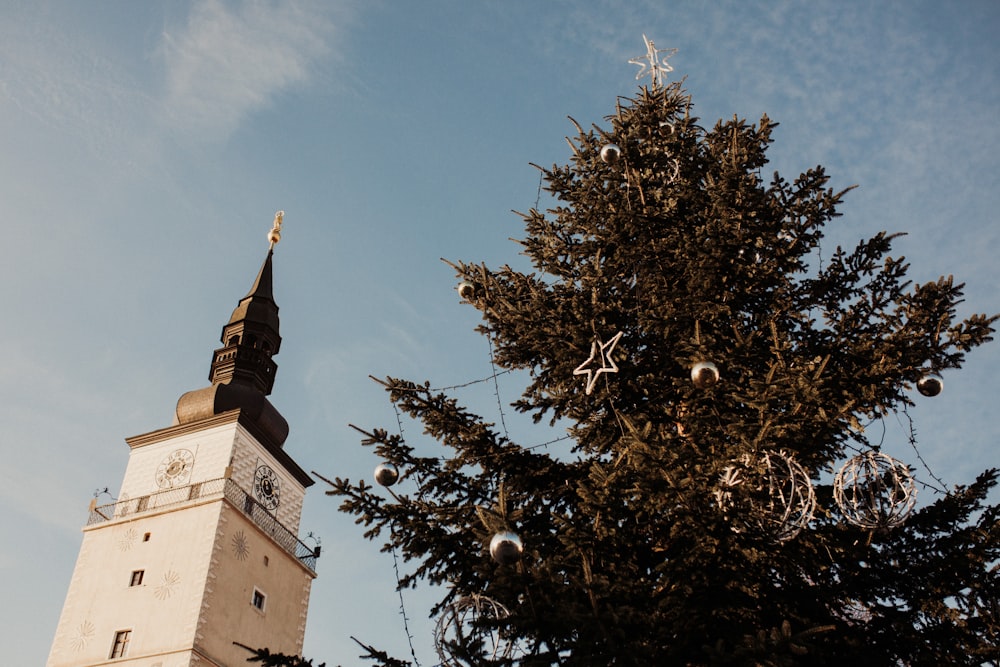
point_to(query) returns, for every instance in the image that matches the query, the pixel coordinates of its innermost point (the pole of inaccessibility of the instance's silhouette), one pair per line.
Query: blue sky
(144, 148)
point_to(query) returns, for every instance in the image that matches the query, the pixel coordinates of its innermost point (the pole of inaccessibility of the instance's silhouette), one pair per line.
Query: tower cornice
(238, 416)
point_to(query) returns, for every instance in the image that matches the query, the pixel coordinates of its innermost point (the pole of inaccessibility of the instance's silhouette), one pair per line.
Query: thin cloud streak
(227, 63)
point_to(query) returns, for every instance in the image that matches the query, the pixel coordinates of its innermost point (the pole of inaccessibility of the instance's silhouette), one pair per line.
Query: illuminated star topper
(599, 353)
(658, 68)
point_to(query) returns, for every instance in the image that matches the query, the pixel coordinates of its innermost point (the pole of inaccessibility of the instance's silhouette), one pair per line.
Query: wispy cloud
(67, 83)
(230, 61)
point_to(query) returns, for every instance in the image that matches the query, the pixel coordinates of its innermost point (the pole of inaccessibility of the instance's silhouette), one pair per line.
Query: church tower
(201, 549)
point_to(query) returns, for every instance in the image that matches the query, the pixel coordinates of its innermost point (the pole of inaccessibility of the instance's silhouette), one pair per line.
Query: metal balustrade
(215, 488)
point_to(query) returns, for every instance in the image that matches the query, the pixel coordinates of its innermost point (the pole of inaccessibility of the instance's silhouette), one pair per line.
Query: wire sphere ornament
(773, 491)
(875, 491)
(468, 632)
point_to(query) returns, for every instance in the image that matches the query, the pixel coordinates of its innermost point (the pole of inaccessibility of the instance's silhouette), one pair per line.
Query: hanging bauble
(772, 493)
(466, 290)
(930, 385)
(386, 474)
(506, 548)
(468, 633)
(611, 154)
(704, 374)
(875, 491)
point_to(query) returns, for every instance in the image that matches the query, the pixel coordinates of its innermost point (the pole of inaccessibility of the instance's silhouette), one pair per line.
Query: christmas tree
(719, 501)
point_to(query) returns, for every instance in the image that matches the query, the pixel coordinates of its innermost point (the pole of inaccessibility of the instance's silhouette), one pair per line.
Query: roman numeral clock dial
(266, 487)
(175, 469)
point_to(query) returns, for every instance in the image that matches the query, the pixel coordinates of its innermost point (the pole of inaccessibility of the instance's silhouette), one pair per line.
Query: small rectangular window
(145, 538)
(120, 648)
(258, 600)
(136, 579)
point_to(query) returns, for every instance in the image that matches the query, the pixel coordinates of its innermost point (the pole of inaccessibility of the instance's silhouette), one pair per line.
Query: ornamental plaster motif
(166, 589)
(84, 633)
(127, 538)
(241, 545)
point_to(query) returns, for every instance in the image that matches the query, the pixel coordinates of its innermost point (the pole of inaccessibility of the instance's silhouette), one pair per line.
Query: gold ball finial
(275, 234)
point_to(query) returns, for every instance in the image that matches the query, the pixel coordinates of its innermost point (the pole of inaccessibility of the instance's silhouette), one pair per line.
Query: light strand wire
(402, 607)
(911, 437)
(395, 564)
(496, 386)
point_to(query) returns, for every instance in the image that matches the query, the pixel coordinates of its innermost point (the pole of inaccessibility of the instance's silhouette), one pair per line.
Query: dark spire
(250, 338)
(242, 371)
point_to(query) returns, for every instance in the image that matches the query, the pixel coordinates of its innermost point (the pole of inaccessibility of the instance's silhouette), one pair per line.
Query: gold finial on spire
(275, 234)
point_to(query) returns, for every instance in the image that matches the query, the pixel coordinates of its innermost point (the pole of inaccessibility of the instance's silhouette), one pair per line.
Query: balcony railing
(222, 487)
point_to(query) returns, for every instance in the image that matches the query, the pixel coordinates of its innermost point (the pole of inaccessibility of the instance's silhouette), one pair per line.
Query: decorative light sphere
(930, 385)
(466, 290)
(704, 374)
(875, 491)
(772, 493)
(611, 154)
(386, 474)
(470, 625)
(506, 548)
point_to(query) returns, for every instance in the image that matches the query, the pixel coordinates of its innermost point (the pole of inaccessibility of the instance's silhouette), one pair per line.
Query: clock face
(175, 469)
(267, 487)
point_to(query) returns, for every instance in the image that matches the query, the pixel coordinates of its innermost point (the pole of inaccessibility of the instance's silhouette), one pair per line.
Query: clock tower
(200, 552)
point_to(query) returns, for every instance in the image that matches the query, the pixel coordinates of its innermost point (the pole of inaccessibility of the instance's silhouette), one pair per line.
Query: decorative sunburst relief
(84, 633)
(168, 585)
(126, 538)
(240, 545)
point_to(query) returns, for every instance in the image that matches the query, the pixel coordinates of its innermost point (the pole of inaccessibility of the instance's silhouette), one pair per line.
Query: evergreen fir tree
(673, 530)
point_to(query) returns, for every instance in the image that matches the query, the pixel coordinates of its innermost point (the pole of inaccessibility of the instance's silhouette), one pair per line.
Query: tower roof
(242, 370)
(258, 305)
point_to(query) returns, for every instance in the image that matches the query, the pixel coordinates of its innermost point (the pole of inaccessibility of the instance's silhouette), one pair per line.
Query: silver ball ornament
(610, 153)
(506, 548)
(466, 290)
(930, 385)
(704, 374)
(386, 474)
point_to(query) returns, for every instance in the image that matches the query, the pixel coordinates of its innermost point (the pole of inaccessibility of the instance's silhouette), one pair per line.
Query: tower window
(136, 579)
(258, 600)
(145, 538)
(120, 648)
